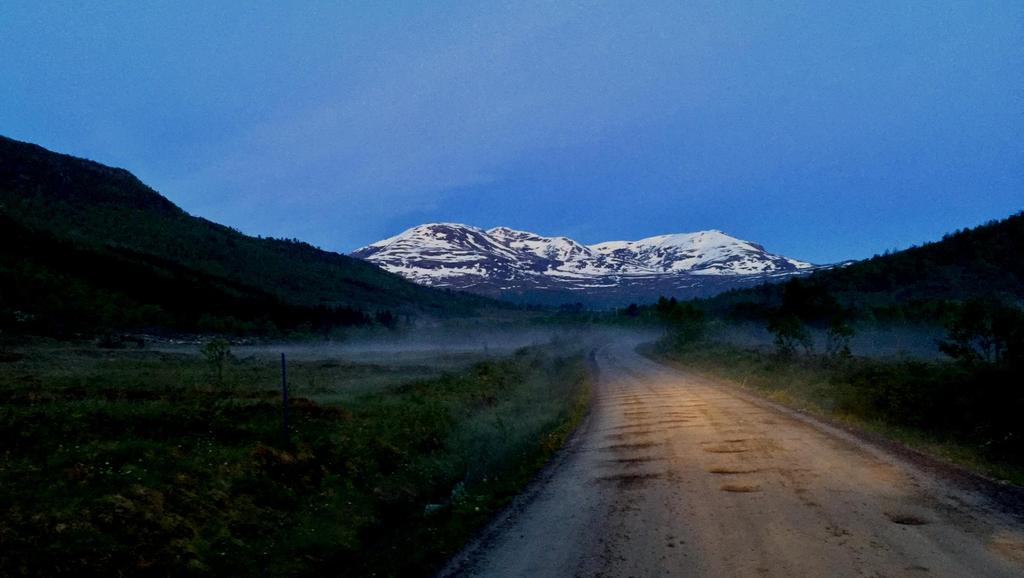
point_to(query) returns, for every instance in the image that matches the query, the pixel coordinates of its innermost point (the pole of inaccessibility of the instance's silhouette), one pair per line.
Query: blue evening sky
(823, 130)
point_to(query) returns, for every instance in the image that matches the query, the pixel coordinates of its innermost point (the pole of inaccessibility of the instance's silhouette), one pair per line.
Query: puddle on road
(633, 446)
(733, 470)
(629, 435)
(630, 480)
(725, 450)
(905, 519)
(740, 488)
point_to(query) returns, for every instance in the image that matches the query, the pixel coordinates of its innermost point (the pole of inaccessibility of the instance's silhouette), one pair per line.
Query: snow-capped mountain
(504, 262)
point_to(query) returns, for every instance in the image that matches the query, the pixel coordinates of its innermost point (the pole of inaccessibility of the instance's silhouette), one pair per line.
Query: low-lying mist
(434, 345)
(918, 342)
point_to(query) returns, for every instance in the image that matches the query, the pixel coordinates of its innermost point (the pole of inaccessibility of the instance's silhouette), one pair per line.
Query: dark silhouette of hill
(87, 247)
(981, 263)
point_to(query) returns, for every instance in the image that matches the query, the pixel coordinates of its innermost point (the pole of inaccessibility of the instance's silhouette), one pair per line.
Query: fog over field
(879, 342)
(432, 344)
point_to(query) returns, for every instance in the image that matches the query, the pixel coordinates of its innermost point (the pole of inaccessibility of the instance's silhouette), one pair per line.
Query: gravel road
(674, 474)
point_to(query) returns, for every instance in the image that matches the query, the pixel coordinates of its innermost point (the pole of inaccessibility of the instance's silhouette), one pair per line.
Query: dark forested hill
(984, 263)
(85, 246)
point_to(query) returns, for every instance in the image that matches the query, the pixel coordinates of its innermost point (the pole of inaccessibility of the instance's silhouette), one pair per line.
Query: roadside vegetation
(150, 463)
(966, 408)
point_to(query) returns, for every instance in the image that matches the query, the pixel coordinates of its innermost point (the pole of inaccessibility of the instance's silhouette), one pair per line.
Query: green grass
(141, 463)
(968, 417)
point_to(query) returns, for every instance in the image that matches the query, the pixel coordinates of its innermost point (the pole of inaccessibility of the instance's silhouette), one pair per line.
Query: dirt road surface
(677, 475)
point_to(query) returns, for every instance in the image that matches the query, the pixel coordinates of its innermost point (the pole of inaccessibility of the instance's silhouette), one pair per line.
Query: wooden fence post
(284, 400)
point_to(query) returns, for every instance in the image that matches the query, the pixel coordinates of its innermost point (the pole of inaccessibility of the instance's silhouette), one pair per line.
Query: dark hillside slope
(103, 248)
(981, 262)
(984, 262)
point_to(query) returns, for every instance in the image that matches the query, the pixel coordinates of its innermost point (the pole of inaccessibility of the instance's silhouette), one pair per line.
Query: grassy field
(144, 463)
(967, 416)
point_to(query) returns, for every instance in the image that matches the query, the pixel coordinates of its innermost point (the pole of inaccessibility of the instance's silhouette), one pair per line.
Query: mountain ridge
(524, 266)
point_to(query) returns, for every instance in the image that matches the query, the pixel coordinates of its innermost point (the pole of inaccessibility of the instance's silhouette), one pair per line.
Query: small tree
(983, 332)
(837, 338)
(789, 333)
(217, 352)
(665, 306)
(687, 322)
(386, 318)
(684, 322)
